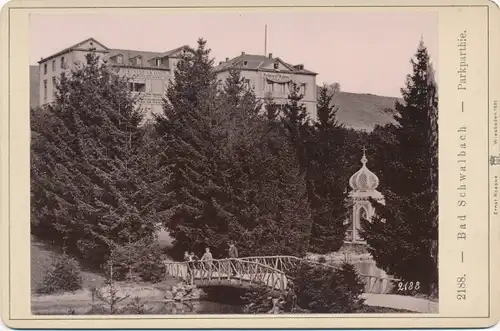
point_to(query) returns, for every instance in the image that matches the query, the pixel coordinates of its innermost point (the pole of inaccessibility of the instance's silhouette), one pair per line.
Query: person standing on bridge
(209, 263)
(193, 262)
(233, 254)
(187, 259)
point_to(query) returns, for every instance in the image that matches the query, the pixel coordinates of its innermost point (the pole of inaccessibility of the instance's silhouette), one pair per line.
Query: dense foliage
(402, 237)
(327, 197)
(324, 290)
(87, 189)
(140, 260)
(232, 175)
(318, 289)
(258, 300)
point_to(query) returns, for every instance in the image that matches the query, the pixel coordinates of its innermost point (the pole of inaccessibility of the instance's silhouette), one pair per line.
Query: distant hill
(364, 111)
(34, 86)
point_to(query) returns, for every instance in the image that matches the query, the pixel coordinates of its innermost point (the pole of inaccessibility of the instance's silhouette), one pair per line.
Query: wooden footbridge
(258, 270)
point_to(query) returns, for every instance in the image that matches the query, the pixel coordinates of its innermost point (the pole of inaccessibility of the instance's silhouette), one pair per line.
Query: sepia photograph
(240, 162)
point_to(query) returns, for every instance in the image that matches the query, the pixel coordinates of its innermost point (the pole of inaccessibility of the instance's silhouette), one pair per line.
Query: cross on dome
(364, 160)
(364, 179)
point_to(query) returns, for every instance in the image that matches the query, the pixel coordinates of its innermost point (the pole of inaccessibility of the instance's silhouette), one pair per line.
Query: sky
(365, 52)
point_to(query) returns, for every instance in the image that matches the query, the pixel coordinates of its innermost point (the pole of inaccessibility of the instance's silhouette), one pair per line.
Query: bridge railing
(284, 262)
(373, 284)
(235, 270)
(270, 270)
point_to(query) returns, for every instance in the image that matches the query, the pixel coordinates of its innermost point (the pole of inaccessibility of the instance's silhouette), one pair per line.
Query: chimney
(227, 59)
(220, 62)
(242, 53)
(270, 55)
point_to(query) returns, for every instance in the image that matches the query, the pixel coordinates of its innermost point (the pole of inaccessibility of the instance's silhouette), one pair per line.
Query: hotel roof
(75, 46)
(129, 53)
(258, 62)
(126, 53)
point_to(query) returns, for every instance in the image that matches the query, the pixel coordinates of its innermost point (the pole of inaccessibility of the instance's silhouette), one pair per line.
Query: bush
(151, 268)
(326, 290)
(139, 260)
(63, 276)
(258, 300)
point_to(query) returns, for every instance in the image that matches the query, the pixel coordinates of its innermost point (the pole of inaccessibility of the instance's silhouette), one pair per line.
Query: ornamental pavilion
(363, 185)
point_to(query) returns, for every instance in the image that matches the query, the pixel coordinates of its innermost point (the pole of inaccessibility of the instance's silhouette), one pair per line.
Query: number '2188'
(461, 287)
(408, 286)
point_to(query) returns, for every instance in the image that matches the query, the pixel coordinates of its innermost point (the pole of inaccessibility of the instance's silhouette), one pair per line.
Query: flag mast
(265, 41)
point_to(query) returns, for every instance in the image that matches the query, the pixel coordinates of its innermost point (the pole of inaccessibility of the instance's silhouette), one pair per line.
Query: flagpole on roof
(265, 40)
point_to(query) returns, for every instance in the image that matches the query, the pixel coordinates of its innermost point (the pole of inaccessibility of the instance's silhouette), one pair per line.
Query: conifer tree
(272, 109)
(296, 123)
(193, 133)
(325, 152)
(224, 176)
(86, 164)
(402, 235)
(263, 169)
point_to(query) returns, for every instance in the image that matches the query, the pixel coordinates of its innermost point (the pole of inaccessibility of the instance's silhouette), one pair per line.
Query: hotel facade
(271, 77)
(149, 73)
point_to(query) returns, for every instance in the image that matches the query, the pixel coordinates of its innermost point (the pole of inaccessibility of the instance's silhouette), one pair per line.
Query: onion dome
(364, 179)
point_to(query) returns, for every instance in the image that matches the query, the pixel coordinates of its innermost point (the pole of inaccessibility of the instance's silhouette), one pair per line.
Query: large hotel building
(150, 72)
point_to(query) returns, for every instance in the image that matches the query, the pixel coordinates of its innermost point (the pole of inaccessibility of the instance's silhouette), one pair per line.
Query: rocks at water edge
(183, 292)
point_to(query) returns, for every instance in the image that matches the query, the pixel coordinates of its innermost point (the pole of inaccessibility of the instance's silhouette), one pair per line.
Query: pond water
(197, 307)
(156, 308)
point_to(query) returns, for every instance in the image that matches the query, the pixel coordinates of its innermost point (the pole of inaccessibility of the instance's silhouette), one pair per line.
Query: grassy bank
(42, 257)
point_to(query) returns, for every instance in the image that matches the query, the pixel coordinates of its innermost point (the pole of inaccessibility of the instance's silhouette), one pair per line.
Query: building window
(158, 62)
(63, 65)
(303, 89)
(45, 89)
(119, 59)
(270, 86)
(246, 83)
(138, 61)
(53, 65)
(54, 86)
(137, 87)
(282, 87)
(45, 69)
(276, 65)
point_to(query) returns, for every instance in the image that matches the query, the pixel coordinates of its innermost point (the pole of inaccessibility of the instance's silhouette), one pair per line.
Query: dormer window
(158, 62)
(245, 63)
(136, 60)
(119, 59)
(276, 65)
